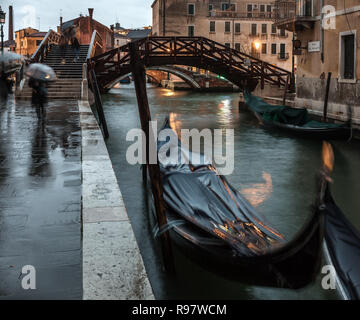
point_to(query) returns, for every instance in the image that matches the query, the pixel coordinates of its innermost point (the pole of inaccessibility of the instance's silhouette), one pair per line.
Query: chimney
(91, 10)
(61, 22)
(11, 24)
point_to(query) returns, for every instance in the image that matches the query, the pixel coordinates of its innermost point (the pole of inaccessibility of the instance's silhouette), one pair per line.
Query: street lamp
(256, 46)
(2, 22)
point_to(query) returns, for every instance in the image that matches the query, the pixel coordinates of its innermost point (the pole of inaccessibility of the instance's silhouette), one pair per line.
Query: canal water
(273, 171)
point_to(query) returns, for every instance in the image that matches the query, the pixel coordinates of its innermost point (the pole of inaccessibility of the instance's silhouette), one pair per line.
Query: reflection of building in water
(258, 193)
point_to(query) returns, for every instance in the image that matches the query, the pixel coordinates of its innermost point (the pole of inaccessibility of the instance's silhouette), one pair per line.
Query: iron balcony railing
(283, 55)
(289, 9)
(242, 15)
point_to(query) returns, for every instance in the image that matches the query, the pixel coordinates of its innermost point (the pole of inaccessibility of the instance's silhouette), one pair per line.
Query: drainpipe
(163, 15)
(233, 33)
(322, 35)
(112, 36)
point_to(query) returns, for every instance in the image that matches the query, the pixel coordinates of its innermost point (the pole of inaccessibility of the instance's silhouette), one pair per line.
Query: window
(273, 29)
(38, 42)
(268, 8)
(227, 45)
(237, 46)
(282, 32)
(211, 8)
(237, 27)
(212, 26)
(191, 31)
(273, 48)
(254, 29)
(249, 9)
(191, 9)
(263, 48)
(264, 28)
(348, 55)
(227, 26)
(225, 6)
(305, 7)
(262, 11)
(282, 51)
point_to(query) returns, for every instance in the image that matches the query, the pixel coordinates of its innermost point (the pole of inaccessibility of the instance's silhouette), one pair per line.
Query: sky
(46, 13)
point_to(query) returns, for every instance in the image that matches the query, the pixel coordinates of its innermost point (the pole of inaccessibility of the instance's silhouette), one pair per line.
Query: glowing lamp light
(257, 45)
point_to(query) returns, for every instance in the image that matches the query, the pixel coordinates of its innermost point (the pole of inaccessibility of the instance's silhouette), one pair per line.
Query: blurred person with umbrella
(39, 75)
(10, 62)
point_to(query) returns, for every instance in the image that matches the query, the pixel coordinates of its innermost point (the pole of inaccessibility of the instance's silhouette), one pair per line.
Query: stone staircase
(68, 85)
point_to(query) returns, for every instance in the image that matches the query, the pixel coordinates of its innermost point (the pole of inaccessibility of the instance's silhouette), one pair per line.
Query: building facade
(328, 35)
(27, 41)
(247, 26)
(85, 26)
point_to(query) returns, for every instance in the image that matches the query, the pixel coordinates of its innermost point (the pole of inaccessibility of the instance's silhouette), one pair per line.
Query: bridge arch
(186, 76)
(154, 52)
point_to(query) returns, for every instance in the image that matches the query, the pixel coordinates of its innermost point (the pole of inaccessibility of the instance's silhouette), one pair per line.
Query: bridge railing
(195, 51)
(95, 46)
(51, 37)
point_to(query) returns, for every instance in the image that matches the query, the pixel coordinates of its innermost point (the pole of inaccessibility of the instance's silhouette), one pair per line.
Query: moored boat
(213, 224)
(295, 121)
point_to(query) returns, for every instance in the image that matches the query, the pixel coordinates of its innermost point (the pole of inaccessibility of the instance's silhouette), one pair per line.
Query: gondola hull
(293, 268)
(340, 133)
(342, 248)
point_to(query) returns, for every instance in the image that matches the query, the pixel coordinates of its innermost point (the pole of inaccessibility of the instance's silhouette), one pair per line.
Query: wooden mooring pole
(138, 71)
(286, 89)
(98, 103)
(327, 96)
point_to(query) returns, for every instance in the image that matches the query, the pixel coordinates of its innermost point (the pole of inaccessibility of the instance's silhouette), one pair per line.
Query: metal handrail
(51, 37)
(96, 41)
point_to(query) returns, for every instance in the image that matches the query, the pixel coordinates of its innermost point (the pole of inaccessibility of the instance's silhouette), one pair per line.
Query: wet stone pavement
(40, 200)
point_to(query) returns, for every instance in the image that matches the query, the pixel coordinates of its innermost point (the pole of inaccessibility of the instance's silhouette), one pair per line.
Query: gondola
(211, 223)
(341, 240)
(295, 121)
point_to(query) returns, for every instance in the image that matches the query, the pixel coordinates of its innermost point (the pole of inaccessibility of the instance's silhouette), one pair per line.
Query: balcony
(254, 35)
(283, 56)
(294, 15)
(251, 15)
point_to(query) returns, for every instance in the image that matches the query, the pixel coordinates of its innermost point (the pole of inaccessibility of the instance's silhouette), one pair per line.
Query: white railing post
(84, 83)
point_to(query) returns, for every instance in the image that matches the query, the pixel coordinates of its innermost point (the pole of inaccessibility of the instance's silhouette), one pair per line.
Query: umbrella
(10, 62)
(41, 72)
(10, 57)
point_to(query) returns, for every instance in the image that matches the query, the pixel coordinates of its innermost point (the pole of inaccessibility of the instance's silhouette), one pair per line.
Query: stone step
(64, 96)
(51, 91)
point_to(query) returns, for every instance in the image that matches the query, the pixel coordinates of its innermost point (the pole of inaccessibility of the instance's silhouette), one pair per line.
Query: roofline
(153, 3)
(26, 29)
(85, 17)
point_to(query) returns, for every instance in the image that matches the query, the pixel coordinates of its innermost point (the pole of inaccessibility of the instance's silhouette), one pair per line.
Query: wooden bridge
(239, 68)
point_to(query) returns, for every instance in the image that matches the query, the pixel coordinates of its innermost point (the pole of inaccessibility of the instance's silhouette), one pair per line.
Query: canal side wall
(113, 268)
